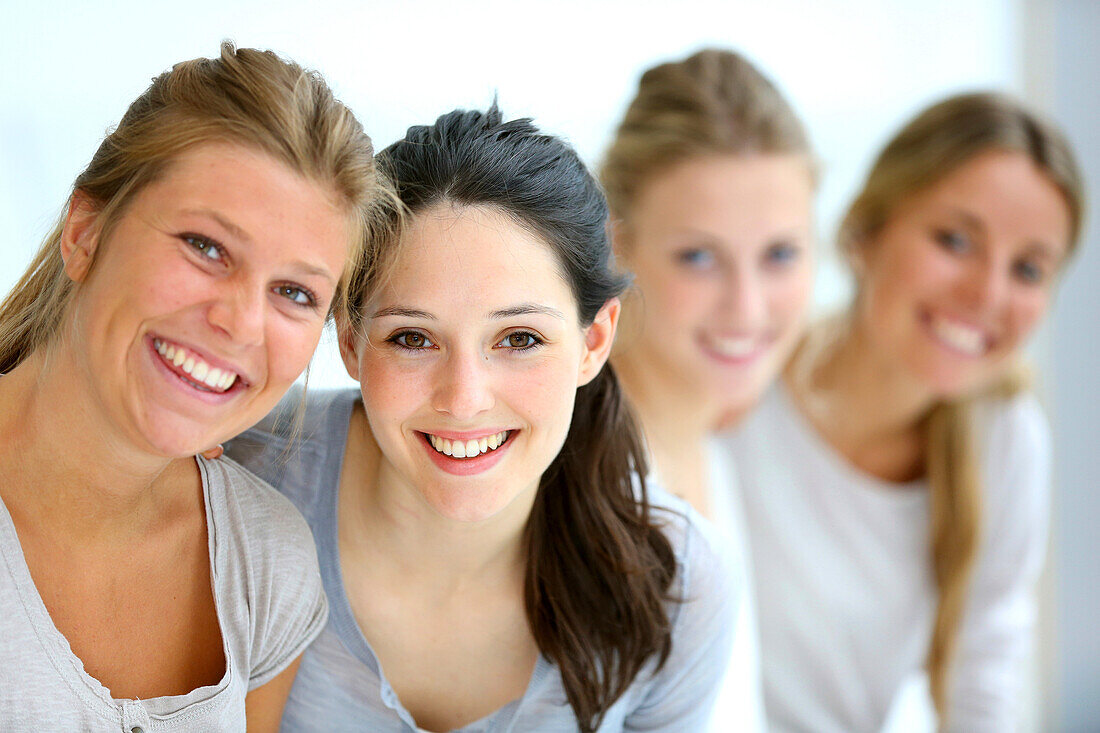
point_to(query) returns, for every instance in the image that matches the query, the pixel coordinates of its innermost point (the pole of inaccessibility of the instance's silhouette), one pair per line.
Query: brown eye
(520, 341)
(411, 340)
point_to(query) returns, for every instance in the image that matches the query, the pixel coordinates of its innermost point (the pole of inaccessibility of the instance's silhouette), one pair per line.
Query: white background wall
(854, 68)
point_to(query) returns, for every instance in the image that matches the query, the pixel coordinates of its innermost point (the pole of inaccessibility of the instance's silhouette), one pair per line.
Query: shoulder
(268, 583)
(1013, 441)
(267, 524)
(1009, 426)
(709, 570)
(298, 445)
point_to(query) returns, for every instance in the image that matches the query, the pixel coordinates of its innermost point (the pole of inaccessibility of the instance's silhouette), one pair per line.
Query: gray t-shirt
(269, 601)
(341, 686)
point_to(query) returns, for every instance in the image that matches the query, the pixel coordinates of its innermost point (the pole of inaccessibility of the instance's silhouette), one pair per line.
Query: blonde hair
(714, 102)
(245, 96)
(936, 142)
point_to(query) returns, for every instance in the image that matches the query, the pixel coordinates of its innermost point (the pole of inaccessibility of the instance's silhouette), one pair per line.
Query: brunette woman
(494, 560)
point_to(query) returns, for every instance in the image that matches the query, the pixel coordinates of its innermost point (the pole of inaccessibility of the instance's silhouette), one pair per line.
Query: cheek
(787, 297)
(290, 348)
(543, 393)
(389, 388)
(1026, 311)
(681, 299)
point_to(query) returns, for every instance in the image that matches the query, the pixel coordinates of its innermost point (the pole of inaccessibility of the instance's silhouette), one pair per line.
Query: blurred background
(854, 69)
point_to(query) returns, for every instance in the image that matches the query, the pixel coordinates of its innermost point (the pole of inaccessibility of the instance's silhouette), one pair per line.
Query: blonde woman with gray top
(182, 292)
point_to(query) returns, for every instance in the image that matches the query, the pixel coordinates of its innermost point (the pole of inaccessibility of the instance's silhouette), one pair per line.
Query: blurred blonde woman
(895, 482)
(710, 178)
(182, 292)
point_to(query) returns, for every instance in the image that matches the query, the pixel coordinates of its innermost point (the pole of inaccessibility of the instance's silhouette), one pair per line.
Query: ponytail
(599, 569)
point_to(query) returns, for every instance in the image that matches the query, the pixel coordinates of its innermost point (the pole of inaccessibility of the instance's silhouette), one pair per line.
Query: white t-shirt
(843, 579)
(268, 597)
(740, 704)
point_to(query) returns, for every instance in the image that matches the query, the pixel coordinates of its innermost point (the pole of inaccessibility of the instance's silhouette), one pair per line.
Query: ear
(351, 345)
(598, 339)
(80, 236)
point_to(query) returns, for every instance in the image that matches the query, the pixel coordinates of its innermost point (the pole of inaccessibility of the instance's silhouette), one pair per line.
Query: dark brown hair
(599, 567)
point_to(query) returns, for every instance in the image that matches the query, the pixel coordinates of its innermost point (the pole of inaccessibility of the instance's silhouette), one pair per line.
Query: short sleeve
(283, 598)
(996, 634)
(681, 695)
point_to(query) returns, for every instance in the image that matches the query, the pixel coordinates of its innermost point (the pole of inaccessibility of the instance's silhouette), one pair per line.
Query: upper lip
(224, 364)
(466, 434)
(987, 332)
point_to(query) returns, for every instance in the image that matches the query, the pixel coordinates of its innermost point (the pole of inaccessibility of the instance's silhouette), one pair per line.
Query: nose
(742, 304)
(463, 385)
(986, 284)
(238, 311)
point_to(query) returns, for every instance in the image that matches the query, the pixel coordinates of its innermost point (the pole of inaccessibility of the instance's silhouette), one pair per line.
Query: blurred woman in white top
(710, 178)
(895, 482)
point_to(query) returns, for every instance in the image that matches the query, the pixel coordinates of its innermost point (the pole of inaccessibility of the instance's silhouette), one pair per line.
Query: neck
(672, 416)
(386, 522)
(66, 466)
(854, 391)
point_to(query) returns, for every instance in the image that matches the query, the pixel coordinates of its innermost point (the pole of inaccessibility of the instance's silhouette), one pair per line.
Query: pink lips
(184, 382)
(466, 466)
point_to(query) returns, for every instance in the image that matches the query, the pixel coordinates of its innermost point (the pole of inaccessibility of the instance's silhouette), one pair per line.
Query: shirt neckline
(341, 615)
(70, 668)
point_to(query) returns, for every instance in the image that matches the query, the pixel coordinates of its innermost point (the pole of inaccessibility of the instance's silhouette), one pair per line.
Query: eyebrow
(527, 309)
(523, 309)
(971, 221)
(225, 223)
(238, 233)
(1035, 246)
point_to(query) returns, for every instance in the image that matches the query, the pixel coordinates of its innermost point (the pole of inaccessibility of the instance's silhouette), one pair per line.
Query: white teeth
(734, 347)
(213, 378)
(962, 338)
(467, 448)
(201, 372)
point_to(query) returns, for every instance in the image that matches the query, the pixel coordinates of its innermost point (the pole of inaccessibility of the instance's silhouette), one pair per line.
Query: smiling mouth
(468, 448)
(193, 369)
(959, 337)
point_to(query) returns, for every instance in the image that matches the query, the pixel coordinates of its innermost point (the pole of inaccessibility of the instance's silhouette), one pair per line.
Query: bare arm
(263, 706)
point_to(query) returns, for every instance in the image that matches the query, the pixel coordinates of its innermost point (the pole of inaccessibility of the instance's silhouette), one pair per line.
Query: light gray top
(269, 601)
(341, 686)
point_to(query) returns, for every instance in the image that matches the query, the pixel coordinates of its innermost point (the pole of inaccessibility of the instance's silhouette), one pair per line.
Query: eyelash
(782, 253)
(399, 338)
(535, 341)
(697, 258)
(311, 297)
(951, 240)
(201, 245)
